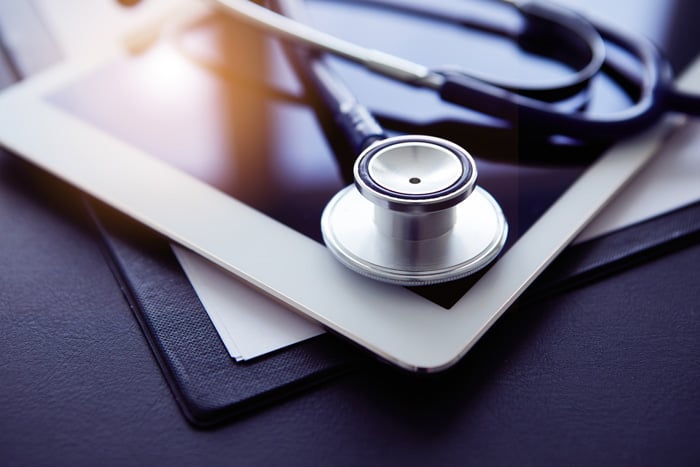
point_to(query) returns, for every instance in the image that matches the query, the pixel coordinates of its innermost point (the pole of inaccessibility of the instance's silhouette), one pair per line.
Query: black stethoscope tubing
(532, 110)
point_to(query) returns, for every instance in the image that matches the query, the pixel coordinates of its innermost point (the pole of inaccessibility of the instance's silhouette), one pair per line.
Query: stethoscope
(415, 214)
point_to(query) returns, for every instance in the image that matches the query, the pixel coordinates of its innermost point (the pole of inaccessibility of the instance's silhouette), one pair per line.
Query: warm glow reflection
(165, 75)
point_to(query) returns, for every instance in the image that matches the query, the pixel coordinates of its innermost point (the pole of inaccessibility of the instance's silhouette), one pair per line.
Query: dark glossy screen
(220, 101)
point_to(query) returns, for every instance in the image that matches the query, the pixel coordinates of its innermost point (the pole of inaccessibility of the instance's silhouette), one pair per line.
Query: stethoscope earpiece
(415, 215)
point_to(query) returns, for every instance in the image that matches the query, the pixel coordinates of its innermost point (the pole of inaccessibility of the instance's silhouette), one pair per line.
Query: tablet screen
(220, 101)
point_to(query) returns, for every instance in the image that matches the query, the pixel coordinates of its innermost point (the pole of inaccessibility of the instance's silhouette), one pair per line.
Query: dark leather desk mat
(210, 387)
(602, 374)
(584, 372)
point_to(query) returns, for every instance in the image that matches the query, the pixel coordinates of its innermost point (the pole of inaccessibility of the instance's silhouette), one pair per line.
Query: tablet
(208, 137)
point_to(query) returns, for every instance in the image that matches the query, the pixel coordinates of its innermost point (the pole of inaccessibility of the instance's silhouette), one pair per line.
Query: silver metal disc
(415, 168)
(477, 237)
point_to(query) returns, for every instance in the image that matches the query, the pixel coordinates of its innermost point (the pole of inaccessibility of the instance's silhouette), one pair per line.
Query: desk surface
(606, 374)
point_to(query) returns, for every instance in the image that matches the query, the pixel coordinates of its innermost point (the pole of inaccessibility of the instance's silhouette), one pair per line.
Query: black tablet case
(207, 383)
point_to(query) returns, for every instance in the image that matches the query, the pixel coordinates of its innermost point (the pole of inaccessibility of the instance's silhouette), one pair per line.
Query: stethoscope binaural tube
(578, 44)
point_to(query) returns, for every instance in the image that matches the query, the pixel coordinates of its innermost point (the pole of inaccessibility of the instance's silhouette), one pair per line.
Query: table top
(604, 374)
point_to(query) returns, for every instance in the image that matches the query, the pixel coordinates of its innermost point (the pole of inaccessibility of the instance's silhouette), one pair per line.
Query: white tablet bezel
(390, 321)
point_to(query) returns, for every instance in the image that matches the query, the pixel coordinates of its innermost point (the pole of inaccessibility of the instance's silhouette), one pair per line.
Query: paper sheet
(248, 323)
(671, 180)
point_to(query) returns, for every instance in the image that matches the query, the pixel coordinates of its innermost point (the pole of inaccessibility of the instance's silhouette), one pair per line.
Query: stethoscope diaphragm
(415, 215)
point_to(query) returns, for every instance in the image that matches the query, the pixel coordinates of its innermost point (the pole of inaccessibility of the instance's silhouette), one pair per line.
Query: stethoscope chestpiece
(415, 215)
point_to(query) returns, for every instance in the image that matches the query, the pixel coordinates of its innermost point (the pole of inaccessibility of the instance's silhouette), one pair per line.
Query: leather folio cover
(209, 386)
(207, 383)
